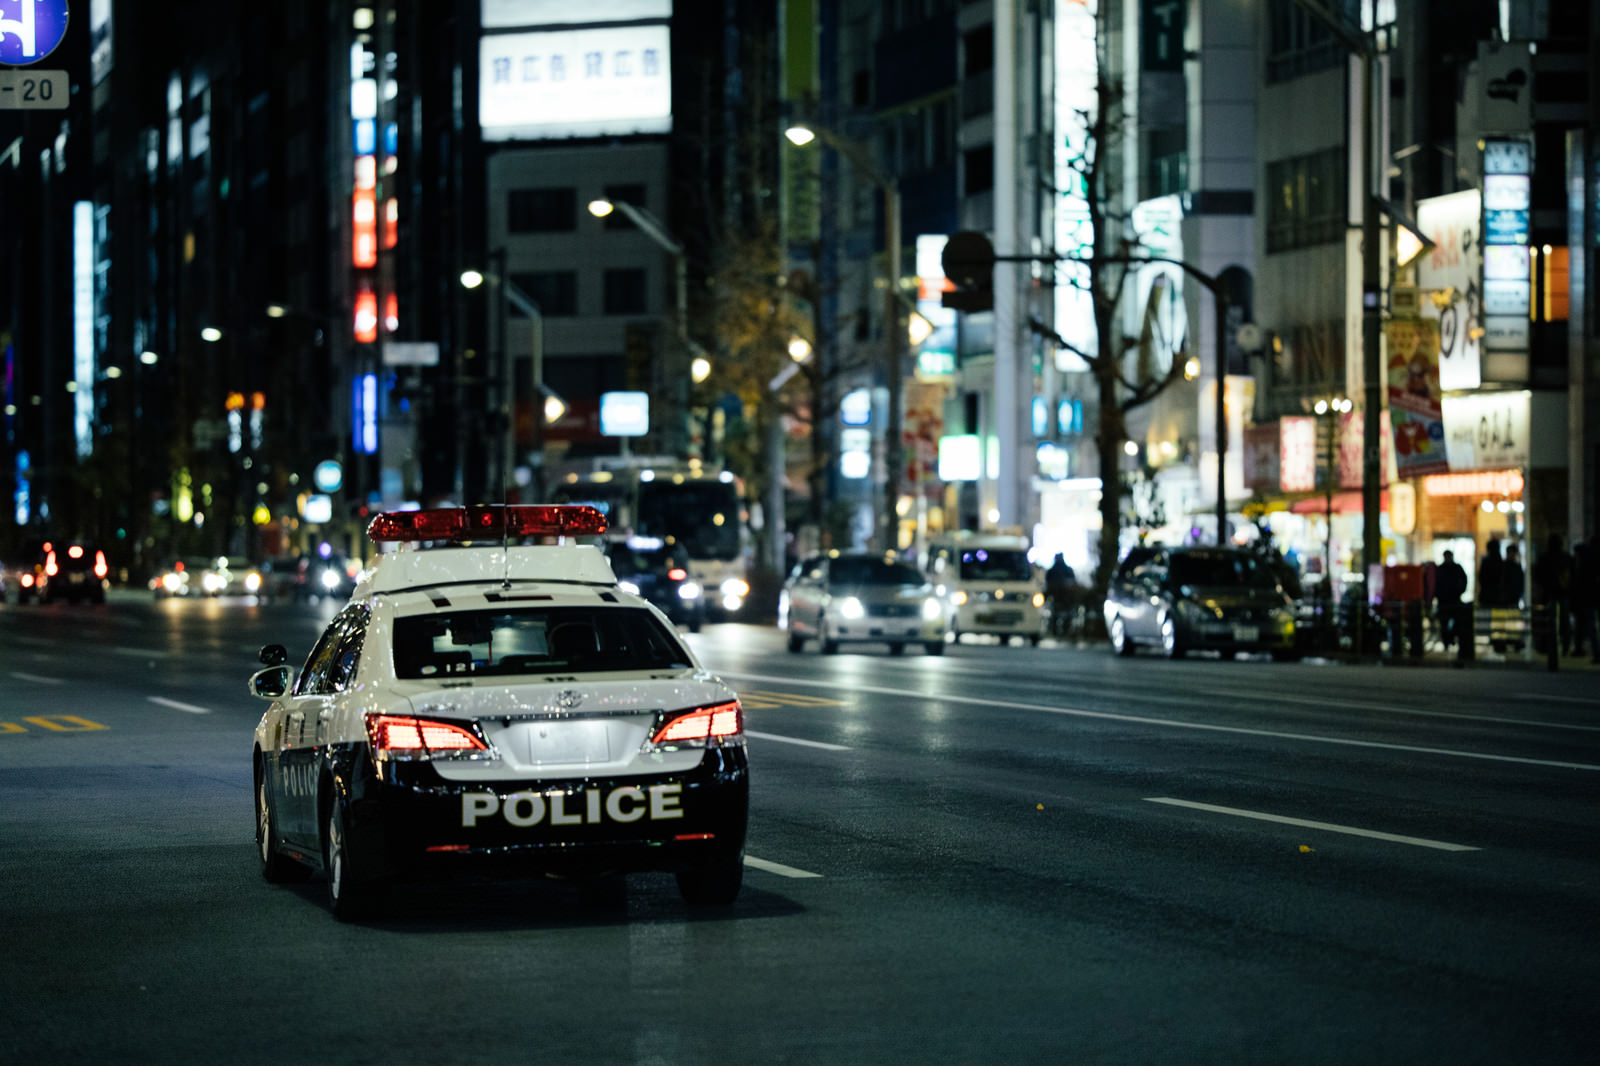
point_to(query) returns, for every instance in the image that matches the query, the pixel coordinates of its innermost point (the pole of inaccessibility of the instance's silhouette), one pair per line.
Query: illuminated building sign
(1507, 209)
(1297, 453)
(83, 326)
(1485, 483)
(603, 81)
(1488, 430)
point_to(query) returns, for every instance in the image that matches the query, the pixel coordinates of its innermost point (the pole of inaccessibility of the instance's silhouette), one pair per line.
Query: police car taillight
(490, 521)
(396, 734)
(704, 723)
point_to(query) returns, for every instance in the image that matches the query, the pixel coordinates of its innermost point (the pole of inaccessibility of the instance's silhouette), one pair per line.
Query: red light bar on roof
(491, 521)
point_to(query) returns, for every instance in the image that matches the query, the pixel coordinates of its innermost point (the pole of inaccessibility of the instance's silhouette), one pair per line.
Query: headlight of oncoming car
(628, 586)
(851, 608)
(1196, 612)
(1038, 599)
(931, 609)
(689, 590)
(331, 578)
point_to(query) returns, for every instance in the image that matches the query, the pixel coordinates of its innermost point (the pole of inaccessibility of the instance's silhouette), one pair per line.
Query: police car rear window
(533, 640)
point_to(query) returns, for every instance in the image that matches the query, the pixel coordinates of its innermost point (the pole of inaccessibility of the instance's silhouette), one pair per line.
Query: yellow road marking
(760, 699)
(63, 723)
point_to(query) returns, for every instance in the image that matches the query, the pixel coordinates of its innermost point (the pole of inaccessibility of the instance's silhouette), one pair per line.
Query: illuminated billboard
(593, 82)
(504, 14)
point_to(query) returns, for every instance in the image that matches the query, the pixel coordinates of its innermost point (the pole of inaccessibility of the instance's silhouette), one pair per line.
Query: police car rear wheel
(935, 647)
(349, 895)
(716, 884)
(275, 867)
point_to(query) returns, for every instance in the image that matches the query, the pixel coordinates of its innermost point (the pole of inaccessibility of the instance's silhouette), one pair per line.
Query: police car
(483, 703)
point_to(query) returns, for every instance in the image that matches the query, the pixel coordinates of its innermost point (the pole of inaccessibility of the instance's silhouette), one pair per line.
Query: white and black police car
(484, 703)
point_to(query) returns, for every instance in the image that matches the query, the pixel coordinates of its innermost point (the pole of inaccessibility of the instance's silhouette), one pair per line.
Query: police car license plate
(1246, 633)
(566, 742)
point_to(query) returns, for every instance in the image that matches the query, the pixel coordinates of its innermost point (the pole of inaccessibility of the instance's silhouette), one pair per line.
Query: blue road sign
(30, 29)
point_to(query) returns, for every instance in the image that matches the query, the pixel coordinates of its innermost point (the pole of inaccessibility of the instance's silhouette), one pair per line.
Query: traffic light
(968, 262)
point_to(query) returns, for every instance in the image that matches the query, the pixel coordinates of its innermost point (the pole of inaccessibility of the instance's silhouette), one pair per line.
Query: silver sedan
(861, 597)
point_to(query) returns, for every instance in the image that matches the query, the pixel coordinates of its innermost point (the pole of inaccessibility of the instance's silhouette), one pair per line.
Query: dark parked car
(1193, 598)
(660, 573)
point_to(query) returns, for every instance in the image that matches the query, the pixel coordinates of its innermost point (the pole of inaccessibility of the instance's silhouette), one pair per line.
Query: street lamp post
(545, 406)
(801, 135)
(653, 228)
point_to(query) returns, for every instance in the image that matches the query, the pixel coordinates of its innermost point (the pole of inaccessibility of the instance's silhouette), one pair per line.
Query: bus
(698, 511)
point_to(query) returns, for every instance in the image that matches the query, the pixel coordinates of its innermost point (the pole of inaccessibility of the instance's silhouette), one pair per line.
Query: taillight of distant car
(100, 567)
(417, 738)
(719, 721)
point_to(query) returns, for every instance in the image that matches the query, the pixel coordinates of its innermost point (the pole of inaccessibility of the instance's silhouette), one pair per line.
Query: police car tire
(935, 647)
(796, 641)
(349, 895)
(716, 884)
(276, 867)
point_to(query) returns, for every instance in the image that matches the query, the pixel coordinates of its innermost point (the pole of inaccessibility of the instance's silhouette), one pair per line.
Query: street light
(657, 231)
(548, 406)
(800, 135)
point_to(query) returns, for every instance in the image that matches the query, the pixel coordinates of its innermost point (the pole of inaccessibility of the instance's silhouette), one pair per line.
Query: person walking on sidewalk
(1583, 603)
(1552, 589)
(1491, 576)
(1449, 585)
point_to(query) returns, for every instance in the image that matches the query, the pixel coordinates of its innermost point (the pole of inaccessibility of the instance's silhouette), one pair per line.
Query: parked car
(659, 573)
(1194, 598)
(853, 597)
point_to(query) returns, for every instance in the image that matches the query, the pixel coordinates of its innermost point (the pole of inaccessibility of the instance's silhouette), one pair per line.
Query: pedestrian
(1583, 602)
(1512, 577)
(1552, 588)
(1061, 586)
(1491, 574)
(1450, 584)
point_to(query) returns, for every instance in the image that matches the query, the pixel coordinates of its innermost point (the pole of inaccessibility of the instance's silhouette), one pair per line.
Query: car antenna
(505, 526)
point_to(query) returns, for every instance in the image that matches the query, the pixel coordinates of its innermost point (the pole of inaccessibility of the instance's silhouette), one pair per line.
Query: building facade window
(1306, 200)
(625, 292)
(555, 291)
(553, 210)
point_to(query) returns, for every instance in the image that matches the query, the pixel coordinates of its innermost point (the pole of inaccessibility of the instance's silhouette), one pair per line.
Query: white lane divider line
(776, 868)
(1173, 723)
(187, 708)
(139, 653)
(796, 740)
(38, 679)
(1421, 842)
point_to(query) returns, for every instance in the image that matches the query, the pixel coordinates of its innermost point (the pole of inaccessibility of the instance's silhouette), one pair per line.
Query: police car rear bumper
(407, 820)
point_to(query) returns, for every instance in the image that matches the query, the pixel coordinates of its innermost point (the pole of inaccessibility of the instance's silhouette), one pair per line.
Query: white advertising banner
(611, 81)
(1452, 223)
(502, 14)
(1487, 430)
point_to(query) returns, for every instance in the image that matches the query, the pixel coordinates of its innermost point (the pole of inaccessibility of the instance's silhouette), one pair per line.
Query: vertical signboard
(1448, 275)
(1507, 280)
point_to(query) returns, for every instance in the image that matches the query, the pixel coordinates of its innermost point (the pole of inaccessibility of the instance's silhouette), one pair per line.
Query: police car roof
(483, 564)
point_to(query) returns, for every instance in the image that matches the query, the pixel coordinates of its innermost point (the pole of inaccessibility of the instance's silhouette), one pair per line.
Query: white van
(990, 585)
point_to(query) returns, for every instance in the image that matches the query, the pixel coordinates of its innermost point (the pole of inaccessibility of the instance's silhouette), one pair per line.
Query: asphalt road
(1001, 855)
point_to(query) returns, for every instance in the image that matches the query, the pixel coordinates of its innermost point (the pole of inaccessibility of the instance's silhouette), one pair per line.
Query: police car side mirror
(273, 655)
(271, 683)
